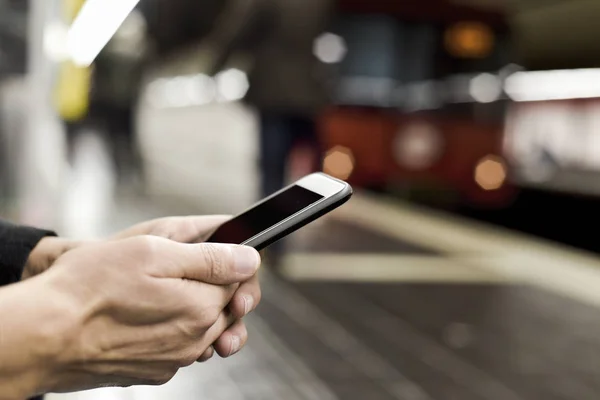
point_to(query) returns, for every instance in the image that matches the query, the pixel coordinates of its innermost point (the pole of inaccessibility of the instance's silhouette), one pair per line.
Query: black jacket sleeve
(16, 243)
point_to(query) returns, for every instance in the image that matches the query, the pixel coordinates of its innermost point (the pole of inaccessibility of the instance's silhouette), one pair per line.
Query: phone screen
(264, 216)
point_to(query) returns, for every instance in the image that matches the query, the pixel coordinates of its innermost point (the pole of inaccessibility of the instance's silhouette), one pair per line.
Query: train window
(372, 43)
(383, 53)
(381, 46)
(412, 66)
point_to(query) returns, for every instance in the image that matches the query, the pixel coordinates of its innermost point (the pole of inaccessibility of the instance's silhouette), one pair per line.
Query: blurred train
(427, 117)
(445, 114)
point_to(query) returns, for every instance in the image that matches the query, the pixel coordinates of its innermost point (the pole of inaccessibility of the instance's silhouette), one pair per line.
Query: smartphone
(284, 212)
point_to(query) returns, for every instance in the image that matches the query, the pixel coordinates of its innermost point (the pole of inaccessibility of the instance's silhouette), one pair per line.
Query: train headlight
(418, 146)
(339, 162)
(491, 173)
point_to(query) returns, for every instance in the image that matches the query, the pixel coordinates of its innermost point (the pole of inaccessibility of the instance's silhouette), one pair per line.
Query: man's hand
(197, 230)
(179, 229)
(120, 313)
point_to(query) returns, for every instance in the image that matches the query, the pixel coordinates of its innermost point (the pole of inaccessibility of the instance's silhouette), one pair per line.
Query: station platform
(386, 300)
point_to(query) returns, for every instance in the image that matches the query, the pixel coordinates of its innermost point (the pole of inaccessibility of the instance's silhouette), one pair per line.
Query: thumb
(217, 264)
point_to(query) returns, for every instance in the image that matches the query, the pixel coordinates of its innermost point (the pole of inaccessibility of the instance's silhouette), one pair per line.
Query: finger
(194, 229)
(208, 354)
(206, 302)
(217, 264)
(246, 298)
(141, 229)
(232, 340)
(191, 229)
(223, 323)
(205, 226)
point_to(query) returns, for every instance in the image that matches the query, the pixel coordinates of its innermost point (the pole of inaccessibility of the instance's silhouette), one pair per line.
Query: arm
(30, 328)
(16, 246)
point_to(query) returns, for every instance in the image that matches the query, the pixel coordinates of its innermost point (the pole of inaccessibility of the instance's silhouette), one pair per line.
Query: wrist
(37, 323)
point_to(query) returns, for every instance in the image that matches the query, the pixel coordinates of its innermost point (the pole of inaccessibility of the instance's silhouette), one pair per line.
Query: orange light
(491, 173)
(469, 40)
(339, 162)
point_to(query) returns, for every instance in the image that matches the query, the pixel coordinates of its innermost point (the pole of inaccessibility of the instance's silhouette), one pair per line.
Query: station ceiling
(548, 33)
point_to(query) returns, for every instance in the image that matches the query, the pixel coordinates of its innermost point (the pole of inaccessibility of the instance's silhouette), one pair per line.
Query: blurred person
(116, 79)
(288, 84)
(125, 311)
(117, 82)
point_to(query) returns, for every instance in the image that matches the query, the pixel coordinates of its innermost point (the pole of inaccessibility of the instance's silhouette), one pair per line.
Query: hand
(139, 310)
(179, 229)
(197, 230)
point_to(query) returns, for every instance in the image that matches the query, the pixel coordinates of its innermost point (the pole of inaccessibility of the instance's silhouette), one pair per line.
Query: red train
(377, 149)
(430, 115)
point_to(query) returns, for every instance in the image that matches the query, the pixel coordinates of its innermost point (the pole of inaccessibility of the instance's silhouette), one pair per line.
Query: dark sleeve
(16, 243)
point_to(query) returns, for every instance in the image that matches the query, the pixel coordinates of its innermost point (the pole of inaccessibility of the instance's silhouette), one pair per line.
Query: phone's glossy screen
(265, 215)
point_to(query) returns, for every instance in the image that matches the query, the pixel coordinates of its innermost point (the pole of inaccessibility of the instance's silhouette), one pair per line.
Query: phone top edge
(322, 184)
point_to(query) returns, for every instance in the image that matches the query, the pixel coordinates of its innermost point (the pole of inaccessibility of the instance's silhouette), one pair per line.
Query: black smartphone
(284, 212)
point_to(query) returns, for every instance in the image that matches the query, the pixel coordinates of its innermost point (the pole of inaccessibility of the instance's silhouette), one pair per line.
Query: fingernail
(235, 345)
(248, 304)
(246, 260)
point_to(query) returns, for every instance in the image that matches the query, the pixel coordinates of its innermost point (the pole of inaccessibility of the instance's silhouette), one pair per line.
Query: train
(429, 119)
(464, 122)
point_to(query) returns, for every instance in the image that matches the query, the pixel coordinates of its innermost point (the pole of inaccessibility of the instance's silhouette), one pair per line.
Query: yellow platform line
(388, 268)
